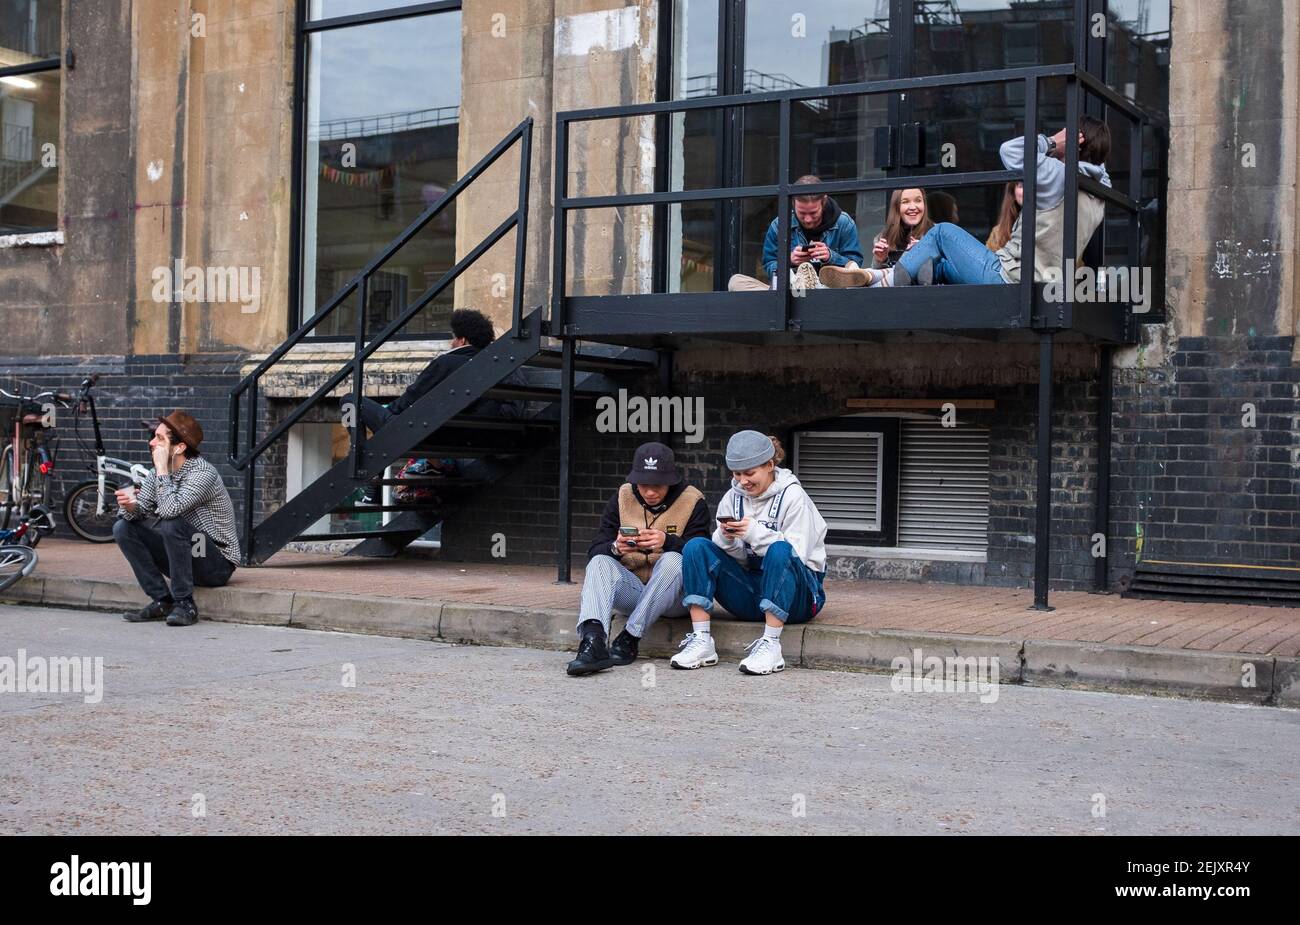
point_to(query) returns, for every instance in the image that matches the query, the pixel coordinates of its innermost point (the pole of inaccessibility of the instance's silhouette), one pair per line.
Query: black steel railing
(363, 346)
(1079, 86)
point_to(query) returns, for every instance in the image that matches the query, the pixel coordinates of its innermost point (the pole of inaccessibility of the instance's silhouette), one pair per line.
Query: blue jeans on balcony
(959, 258)
(782, 586)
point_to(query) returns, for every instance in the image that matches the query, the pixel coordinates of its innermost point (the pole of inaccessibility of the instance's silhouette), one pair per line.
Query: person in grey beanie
(634, 564)
(765, 561)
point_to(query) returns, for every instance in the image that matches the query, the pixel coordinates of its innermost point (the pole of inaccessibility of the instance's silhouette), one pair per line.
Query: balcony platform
(837, 316)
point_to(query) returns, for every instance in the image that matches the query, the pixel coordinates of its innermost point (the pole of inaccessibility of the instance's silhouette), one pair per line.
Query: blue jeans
(959, 258)
(784, 587)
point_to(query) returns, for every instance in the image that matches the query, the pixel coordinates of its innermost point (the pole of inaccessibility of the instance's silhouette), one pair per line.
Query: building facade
(184, 185)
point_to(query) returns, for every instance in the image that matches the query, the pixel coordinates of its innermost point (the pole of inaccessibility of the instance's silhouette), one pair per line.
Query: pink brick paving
(874, 605)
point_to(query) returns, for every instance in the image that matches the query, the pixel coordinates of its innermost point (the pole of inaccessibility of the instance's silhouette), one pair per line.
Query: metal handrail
(363, 346)
(1078, 84)
(518, 219)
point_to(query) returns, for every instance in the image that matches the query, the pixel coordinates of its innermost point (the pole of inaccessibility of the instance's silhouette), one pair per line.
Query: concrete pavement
(255, 726)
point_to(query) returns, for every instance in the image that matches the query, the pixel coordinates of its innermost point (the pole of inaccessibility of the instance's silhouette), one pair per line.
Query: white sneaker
(698, 651)
(764, 658)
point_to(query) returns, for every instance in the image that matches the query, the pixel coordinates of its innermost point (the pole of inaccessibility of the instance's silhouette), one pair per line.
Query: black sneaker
(623, 649)
(593, 656)
(184, 613)
(372, 496)
(154, 610)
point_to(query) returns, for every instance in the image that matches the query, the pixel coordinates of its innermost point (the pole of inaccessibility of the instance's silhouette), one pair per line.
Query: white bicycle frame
(111, 465)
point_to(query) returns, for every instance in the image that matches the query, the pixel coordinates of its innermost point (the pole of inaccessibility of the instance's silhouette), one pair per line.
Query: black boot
(593, 656)
(184, 613)
(154, 610)
(623, 649)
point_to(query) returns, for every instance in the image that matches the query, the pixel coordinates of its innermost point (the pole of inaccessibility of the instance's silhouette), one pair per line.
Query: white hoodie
(782, 512)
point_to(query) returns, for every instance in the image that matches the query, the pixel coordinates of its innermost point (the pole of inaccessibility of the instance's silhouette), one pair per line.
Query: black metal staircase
(517, 367)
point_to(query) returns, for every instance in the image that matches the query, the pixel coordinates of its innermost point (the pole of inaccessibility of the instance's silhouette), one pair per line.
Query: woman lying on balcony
(960, 258)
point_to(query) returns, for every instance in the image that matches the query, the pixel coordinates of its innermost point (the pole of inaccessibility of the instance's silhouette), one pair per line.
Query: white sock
(886, 278)
(701, 628)
(773, 632)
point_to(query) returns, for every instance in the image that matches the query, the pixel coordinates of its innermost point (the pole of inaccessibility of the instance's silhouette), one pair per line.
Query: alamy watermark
(659, 414)
(1100, 284)
(55, 674)
(181, 283)
(954, 674)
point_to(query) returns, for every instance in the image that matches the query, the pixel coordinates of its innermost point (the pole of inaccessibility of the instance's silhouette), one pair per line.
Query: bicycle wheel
(15, 562)
(7, 499)
(79, 511)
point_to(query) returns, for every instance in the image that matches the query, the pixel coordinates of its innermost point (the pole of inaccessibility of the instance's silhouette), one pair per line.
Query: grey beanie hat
(748, 449)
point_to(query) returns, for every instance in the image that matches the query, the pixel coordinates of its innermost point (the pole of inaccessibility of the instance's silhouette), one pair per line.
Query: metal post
(783, 307)
(1101, 525)
(564, 554)
(1029, 209)
(1043, 496)
(250, 475)
(359, 470)
(521, 225)
(560, 235)
(1070, 234)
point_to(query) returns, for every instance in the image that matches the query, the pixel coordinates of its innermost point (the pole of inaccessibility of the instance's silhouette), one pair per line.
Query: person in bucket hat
(634, 565)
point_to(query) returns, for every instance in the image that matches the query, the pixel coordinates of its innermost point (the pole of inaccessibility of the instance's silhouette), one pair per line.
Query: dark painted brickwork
(1191, 479)
(1189, 482)
(131, 389)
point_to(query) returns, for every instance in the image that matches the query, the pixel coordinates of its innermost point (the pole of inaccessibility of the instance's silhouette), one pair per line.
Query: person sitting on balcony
(906, 223)
(959, 257)
(634, 566)
(765, 561)
(821, 234)
(942, 207)
(1008, 215)
(194, 540)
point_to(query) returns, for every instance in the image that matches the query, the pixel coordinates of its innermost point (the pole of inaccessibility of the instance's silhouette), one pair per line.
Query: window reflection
(383, 116)
(29, 135)
(29, 31)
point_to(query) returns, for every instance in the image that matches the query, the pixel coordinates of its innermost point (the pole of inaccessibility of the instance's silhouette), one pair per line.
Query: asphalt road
(220, 728)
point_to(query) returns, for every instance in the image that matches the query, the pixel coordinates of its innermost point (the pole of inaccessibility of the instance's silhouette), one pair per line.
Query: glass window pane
(1137, 51)
(29, 31)
(814, 45)
(328, 9)
(955, 36)
(695, 49)
(382, 129)
(29, 134)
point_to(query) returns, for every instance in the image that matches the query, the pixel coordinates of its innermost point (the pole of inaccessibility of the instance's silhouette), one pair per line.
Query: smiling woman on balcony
(907, 223)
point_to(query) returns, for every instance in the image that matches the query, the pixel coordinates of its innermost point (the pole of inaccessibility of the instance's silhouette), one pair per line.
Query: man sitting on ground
(821, 234)
(194, 541)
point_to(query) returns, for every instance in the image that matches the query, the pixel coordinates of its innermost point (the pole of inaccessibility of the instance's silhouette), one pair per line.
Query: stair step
(628, 361)
(545, 393)
(344, 535)
(380, 508)
(428, 480)
(520, 425)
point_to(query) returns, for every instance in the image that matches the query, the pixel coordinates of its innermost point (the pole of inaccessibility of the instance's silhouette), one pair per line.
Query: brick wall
(1192, 482)
(131, 389)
